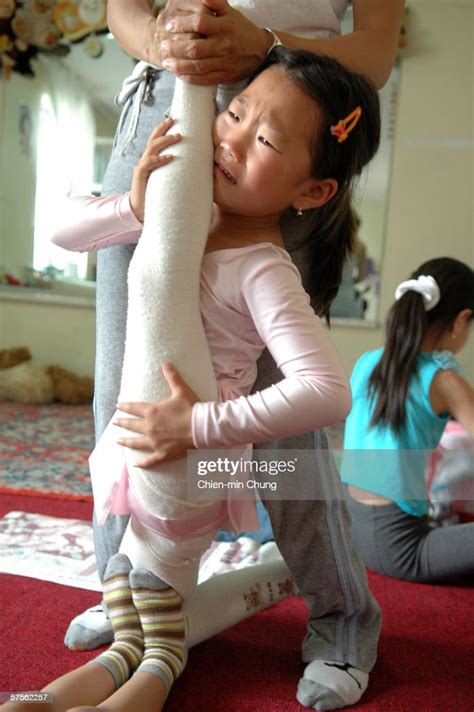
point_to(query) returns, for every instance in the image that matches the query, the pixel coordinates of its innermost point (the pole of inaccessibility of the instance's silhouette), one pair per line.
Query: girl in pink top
(294, 140)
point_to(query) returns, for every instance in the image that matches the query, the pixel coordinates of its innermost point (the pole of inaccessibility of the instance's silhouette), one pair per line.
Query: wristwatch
(276, 40)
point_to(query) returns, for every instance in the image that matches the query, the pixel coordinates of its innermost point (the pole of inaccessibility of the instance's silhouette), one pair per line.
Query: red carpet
(425, 654)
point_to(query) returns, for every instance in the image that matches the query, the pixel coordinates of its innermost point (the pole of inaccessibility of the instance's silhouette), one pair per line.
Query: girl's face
(262, 159)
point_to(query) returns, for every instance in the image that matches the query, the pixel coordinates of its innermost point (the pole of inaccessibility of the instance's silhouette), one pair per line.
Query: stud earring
(299, 212)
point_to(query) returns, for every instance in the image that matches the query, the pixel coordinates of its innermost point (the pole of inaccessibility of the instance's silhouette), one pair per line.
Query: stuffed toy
(69, 387)
(24, 381)
(12, 357)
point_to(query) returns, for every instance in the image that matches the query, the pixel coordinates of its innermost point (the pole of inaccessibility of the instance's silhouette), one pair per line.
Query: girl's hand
(165, 428)
(151, 159)
(228, 46)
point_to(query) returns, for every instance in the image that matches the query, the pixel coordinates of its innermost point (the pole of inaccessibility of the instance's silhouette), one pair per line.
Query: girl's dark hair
(331, 228)
(406, 327)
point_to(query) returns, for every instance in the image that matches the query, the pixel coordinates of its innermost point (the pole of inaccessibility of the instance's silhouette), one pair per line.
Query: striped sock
(160, 609)
(124, 655)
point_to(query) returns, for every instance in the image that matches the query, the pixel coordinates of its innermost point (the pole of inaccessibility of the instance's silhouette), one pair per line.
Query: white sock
(90, 629)
(327, 685)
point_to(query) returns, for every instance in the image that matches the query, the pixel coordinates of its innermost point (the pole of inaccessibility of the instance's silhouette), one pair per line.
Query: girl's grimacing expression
(263, 142)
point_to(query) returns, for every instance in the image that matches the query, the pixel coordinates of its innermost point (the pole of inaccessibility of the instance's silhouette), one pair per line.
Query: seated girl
(403, 396)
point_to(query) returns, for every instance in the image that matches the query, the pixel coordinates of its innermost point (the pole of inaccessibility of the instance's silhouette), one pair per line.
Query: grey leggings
(314, 535)
(397, 544)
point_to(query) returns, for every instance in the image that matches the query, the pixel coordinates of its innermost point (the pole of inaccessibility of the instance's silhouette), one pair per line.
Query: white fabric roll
(163, 320)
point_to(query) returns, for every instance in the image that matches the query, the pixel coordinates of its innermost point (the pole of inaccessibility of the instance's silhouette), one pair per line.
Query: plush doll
(24, 381)
(12, 357)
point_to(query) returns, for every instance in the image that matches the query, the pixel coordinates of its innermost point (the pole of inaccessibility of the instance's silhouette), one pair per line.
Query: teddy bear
(12, 357)
(24, 381)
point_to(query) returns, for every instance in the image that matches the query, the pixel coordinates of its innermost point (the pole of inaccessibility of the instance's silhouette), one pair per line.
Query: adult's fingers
(213, 70)
(192, 24)
(193, 49)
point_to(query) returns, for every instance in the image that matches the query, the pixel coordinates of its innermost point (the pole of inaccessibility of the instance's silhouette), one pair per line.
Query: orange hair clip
(344, 126)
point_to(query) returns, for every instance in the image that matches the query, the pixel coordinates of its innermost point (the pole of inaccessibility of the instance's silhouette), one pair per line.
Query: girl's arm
(451, 393)
(87, 224)
(314, 391)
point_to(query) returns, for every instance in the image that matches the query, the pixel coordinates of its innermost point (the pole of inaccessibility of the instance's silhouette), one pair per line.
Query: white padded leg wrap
(234, 596)
(164, 321)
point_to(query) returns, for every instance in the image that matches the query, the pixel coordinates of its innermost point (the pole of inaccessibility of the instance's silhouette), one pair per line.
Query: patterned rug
(44, 449)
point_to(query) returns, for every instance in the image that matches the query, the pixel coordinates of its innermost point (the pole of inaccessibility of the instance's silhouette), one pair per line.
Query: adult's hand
(174, 10)
(139, 32)
(225, 48)
(165, 428)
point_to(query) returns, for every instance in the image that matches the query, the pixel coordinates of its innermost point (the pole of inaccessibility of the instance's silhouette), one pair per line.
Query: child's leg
(231, 598)
(87, 685)
(397, 544)
(142, 693)
(315, 540)
(98, 679)
(93, 628)
(447, 552)
(125, 654)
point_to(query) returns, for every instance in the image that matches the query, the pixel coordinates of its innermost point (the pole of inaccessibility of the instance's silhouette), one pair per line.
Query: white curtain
(65, 159)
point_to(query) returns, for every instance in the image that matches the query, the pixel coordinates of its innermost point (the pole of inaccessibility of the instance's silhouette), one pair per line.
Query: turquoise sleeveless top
(393, 464)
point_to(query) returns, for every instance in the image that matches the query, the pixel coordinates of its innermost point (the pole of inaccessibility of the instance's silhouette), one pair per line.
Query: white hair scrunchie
(424, 285)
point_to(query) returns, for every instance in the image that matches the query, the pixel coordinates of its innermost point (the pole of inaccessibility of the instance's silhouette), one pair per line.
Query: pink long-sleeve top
(251, 297)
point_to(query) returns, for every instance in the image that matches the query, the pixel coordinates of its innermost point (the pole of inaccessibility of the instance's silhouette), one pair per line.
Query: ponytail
(407, 325)
(389, 380)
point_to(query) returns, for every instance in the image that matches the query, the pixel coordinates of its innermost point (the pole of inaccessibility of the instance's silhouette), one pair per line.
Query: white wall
(54, 333)
(431, 194)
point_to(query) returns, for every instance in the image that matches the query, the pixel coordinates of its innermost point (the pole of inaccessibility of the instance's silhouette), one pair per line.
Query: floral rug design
(44, 449)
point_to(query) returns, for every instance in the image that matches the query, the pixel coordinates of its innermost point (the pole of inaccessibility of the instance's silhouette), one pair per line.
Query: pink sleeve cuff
(87, 223)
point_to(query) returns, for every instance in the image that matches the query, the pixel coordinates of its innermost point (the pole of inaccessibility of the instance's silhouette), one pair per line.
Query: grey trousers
(400, 545)
(313, 535)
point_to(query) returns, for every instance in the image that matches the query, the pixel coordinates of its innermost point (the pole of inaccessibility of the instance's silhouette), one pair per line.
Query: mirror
(357, 302)
(57, 135)
(57, 132)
